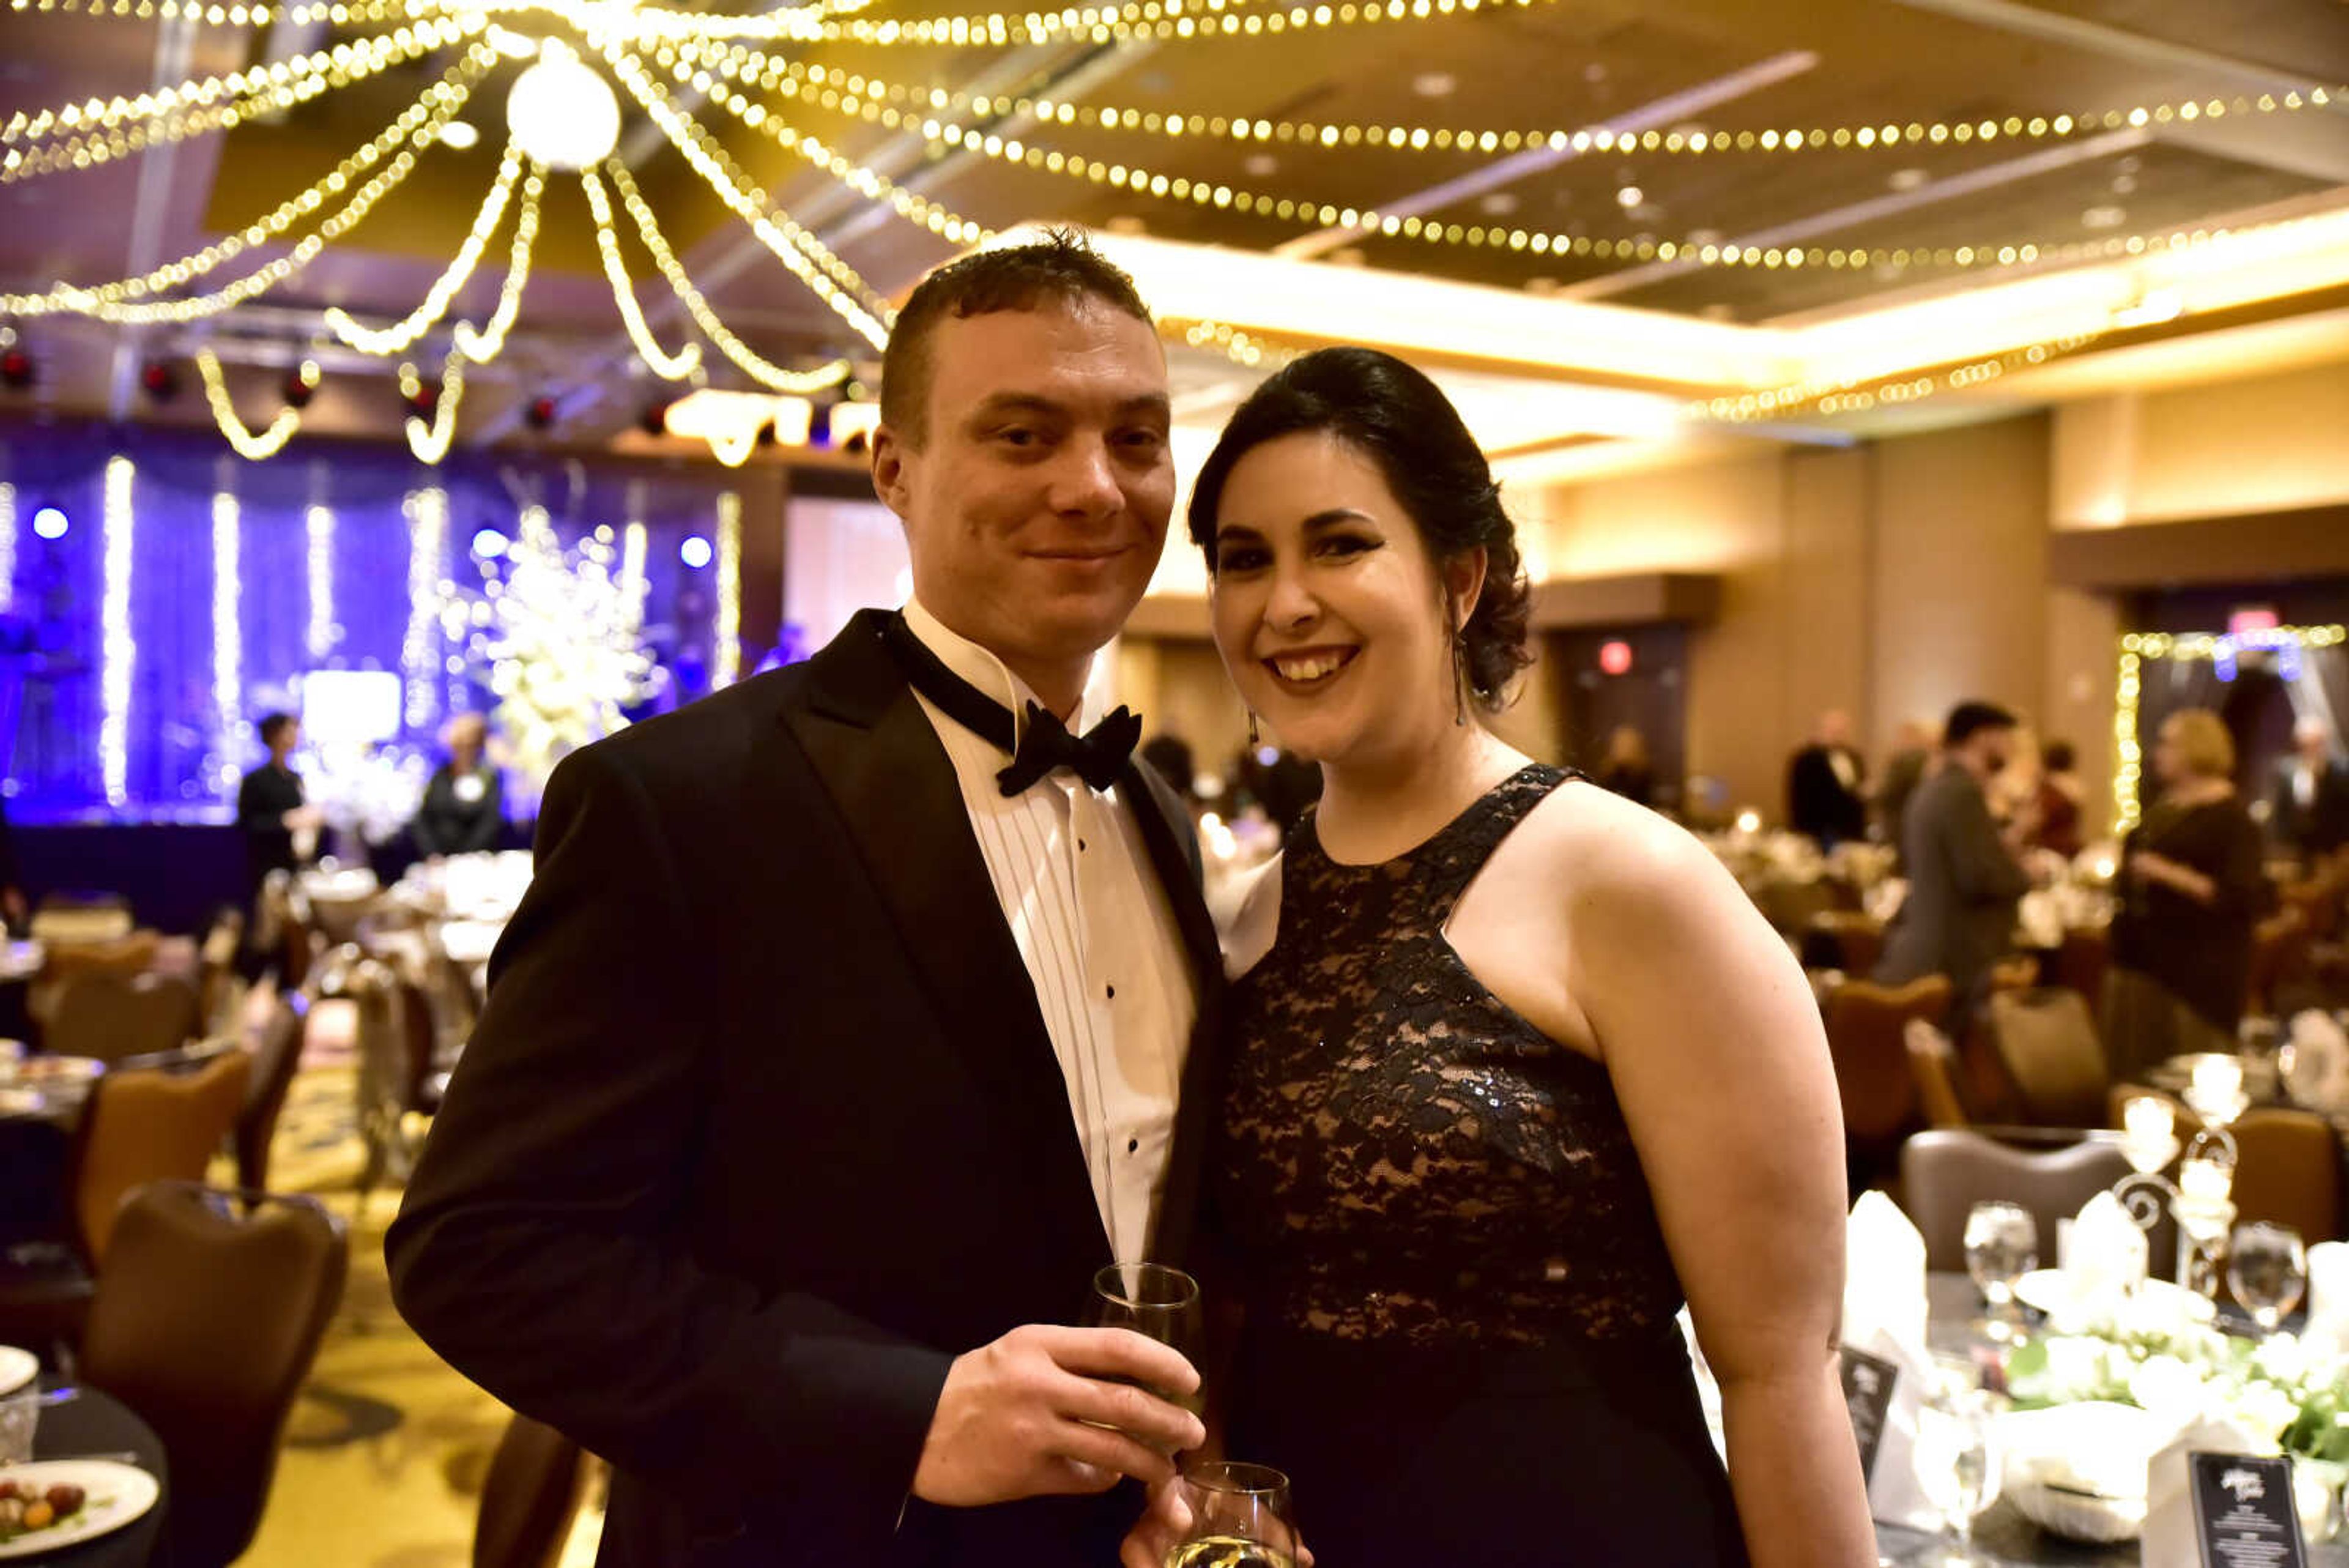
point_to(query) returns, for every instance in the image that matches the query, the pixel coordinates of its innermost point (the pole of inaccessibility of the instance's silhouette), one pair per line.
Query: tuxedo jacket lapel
(881, 762)
(1173, 856)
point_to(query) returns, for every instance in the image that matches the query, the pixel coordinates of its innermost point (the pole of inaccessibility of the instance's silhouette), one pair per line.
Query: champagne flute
(1240, 1518)
(2267, 1267)
(1957, 1454)
(1157, 1302)
(2001, 1246)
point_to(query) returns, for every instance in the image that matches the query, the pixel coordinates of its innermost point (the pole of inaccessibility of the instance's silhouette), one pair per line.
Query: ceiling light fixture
(561, 112)
(459, 135)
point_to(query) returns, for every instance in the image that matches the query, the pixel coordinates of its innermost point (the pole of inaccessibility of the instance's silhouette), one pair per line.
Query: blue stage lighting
(694, 552)
(49, 523)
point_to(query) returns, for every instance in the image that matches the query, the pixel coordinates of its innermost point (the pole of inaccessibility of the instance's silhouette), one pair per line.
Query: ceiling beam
(1670, 109)
(175, 52)
(2120, 44)
(1989, 177)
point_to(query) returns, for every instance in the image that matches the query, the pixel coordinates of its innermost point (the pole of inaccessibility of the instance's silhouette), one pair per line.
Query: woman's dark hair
(2058, 757)
(272, 725)
(1401, 422)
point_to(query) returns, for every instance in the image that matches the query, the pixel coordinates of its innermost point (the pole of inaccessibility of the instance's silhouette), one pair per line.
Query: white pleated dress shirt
(1098, 935)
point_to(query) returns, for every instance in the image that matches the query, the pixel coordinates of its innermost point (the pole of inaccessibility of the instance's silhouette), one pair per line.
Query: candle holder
(2200, 1198)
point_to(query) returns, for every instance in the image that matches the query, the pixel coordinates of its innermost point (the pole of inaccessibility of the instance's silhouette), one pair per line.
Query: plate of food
(17, 1367)
(61, 1503)
(61, 1071)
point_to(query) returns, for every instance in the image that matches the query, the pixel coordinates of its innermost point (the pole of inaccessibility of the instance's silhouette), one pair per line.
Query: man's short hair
(1968, 720)
(271, 724)
(1059, 269)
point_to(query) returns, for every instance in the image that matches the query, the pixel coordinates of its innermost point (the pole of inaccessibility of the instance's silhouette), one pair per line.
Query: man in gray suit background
(1965, 873)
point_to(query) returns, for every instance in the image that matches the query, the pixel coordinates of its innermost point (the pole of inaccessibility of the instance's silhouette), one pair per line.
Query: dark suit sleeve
(488, 821)
(1981, 867)
(425, 831)
(543, 1247)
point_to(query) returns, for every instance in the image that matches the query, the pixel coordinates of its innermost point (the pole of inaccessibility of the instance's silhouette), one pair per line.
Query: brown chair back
(1792, 904)
(111, 1016)
(1859, 938)
(143, 1127)
(1864, 1025)
(2279, 952)
(2082, 962)
(2046, 1040)
(2288, 1172)
(529, 1499)
(205, 1322)
(1932, 1063)
(65, 960)
(1944, 1173)
(274, 1064)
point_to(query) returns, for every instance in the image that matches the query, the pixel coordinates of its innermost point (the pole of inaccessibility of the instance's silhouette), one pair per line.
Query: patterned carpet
(388, 1447)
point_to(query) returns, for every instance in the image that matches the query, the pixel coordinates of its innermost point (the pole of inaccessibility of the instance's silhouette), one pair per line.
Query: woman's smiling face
(1327, 606)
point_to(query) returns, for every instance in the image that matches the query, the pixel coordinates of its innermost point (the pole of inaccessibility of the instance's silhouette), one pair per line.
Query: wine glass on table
(1957, 1453)
(2001, 1246)
(1240, 1518)
(2267, 1269)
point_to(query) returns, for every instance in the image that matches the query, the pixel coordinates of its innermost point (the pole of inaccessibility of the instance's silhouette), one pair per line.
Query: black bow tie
(1098, 756)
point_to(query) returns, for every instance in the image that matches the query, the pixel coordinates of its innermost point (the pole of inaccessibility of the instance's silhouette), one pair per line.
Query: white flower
(2167, 1387)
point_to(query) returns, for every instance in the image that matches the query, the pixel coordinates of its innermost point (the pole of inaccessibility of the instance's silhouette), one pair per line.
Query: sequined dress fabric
(1454, 1280)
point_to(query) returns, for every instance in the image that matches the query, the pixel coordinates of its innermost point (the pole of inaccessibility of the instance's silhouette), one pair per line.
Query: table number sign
(2243, 1513)
(1867, 1385)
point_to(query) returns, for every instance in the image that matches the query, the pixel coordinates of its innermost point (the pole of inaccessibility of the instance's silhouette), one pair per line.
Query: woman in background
(2059, 795)
(463, 810)
(1512, 1066)
(2192, 888)
(1627, 770)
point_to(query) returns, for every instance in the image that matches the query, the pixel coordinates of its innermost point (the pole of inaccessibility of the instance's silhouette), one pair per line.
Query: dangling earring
(1459, 671)
(1254, 740)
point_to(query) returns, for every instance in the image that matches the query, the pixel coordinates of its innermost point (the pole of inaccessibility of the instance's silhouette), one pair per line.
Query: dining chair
(2279, 952)
(1945, 1172)
(2047, 1040)
(274, 1062)
(530, 1498)
(397, 1043)
(111, 1016)
(2081, 963)
(1865, 1022)
(65, 960)
(1857, 938)
(1932, 1063)
(143, 1127)
(220, 990)
(207, 1313)
(2288, 1172)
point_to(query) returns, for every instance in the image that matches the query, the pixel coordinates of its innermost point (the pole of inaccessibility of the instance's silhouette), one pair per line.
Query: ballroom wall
(2253, 444)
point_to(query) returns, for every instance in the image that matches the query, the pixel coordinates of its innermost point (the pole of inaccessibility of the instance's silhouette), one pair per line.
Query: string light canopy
(589, 63)
(2288, 643)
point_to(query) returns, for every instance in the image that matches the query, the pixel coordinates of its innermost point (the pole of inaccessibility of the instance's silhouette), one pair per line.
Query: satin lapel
(894, 789)
(1195, 1113)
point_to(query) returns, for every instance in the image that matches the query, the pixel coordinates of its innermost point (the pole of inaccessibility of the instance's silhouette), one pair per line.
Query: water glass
(1240, 1518)
(1956, 1452)
(2001, 1246)
(2267, 1269)
(20, 1413)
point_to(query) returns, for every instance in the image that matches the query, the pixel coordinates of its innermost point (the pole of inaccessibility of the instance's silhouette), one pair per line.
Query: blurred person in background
(1627, 770)
(2191, 890)
(2060, 799)
(1965, 873)
(280, 827)
(1910, 763)
(2308, 806)
(464, 809)
(1826, 785)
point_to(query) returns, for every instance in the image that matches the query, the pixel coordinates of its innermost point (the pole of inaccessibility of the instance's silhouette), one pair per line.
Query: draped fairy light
(726, 657)
(428, 533)
(588, 61)
(2129, 769)
(318, 530)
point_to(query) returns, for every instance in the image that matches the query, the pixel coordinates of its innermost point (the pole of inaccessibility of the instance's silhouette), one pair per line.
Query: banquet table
(95, 1423)
(2002, 1535)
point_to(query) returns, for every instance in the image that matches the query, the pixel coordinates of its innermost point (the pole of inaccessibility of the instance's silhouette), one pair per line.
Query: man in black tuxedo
(2308, 810)
(840, 1039)
(1826, 785)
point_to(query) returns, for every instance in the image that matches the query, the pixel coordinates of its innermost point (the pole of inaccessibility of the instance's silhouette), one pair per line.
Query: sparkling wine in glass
(2267, 1269)
(1157, 1302)
(2001, 1246)
(1956, 1455)
(1240, 1518)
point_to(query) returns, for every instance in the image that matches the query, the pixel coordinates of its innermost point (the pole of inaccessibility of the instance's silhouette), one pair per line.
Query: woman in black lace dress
(1513, 1065)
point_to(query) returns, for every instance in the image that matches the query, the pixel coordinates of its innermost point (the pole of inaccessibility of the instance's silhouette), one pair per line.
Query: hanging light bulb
(562, 113)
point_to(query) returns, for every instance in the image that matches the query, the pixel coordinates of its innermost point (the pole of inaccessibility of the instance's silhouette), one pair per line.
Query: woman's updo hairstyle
(1401, 422)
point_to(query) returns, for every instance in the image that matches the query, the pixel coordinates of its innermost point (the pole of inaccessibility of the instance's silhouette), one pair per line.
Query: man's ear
(889, 476)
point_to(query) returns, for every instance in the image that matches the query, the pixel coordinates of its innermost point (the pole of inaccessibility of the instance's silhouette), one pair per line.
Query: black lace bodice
(1403, 1155)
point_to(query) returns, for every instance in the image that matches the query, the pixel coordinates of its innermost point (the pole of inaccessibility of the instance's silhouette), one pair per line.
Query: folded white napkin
(1884, 1314)
(2105, 1252)
(2328, 1294)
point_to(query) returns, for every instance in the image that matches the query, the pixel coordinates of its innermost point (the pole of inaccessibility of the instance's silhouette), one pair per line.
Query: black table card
(1867, 1382)
(2243, 1513)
